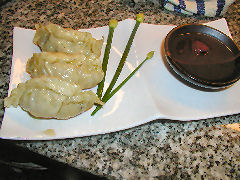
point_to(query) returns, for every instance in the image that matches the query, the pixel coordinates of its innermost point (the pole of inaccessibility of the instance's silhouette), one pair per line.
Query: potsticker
(54, 38)
(84, 70)
(50, 97)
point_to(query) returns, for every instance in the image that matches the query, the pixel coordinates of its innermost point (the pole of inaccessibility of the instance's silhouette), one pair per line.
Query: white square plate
(153, 93)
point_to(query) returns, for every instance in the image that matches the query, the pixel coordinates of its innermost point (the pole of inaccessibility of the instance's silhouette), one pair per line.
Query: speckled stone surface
(161, 149)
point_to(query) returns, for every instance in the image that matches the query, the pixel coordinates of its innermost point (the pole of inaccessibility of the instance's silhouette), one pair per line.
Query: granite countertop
(160, 149)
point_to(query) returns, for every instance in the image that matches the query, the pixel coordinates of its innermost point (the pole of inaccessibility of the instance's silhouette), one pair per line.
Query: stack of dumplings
(69, 63)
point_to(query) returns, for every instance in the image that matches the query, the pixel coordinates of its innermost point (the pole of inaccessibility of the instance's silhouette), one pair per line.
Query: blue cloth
(209, 8)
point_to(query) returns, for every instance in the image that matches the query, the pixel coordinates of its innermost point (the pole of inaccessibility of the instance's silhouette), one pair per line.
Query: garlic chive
(139, 19)
(112, 25)
(149, 56)
(107, 95)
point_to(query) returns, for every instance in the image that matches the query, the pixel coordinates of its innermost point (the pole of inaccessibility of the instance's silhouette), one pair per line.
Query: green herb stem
(149, 56)
(124, 57)
(112, 25)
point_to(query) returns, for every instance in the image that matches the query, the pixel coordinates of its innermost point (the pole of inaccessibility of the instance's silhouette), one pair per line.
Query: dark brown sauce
(203, 57)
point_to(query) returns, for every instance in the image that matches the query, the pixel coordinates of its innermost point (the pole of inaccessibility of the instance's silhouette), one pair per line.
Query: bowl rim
(190, 77)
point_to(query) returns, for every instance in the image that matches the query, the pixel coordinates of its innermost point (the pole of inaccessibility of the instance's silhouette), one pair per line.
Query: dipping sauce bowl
(202, 57)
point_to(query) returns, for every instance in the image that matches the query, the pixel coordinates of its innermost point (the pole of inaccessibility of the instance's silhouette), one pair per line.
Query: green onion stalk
(112, 25)
(149, 56)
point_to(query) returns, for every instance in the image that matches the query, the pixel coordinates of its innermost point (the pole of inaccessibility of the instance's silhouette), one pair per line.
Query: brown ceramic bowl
(201, 56)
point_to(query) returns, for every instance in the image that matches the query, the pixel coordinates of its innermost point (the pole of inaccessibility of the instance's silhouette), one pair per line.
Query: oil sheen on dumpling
(49, 97)
(85, 71)
(54, 38)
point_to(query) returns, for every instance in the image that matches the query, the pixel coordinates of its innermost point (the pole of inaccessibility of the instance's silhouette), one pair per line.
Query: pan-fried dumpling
(50, 97)
(54, 38)
(86, 71)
